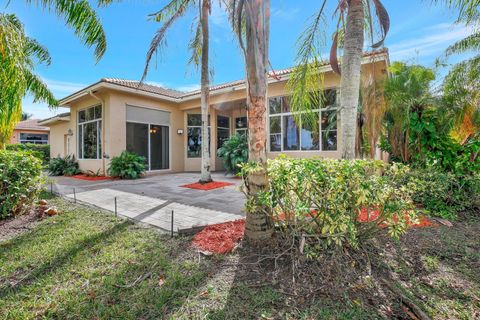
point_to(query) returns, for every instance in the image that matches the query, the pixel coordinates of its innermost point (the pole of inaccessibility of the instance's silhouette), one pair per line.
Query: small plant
(234, 152)
(127, 165)
(63, 166)
(20, 182)
(90, 173)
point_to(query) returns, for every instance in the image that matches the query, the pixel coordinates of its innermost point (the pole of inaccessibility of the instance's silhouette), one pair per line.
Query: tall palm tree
(355, 16)
(251, 19)
(20, 54)
(199, 45)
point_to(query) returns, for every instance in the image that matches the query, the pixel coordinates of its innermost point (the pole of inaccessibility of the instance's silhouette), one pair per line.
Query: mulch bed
(92, 178)
(207, 186)
(220, 238)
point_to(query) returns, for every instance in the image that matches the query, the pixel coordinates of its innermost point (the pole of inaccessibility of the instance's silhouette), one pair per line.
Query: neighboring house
(164, 125)
(30, 131)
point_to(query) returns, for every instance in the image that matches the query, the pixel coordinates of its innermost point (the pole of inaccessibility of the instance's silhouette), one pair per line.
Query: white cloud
(429, 41)
(219, 15)
(188, 87)
(63, 88)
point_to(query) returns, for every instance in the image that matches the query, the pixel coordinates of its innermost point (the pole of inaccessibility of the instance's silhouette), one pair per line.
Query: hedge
(41, 151)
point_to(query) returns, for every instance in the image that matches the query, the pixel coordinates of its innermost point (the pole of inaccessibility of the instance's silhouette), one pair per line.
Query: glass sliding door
(159, 147)
(149, 141)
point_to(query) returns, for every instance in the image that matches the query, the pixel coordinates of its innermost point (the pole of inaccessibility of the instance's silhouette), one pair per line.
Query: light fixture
(70, 132)
(179, 132)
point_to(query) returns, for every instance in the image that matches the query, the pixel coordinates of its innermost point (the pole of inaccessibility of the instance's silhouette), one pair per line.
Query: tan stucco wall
(16, 134)
(114, 123)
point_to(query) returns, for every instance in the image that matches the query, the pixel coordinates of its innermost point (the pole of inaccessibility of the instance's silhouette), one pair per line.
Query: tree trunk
(350, 80)
(205, 94)
(259, 226)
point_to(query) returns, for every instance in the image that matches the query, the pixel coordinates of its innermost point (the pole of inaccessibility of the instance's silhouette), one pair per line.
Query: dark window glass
(329, 140)
(98, 112)
(159, 147)
(33, 138)
(90, 114)
(194, 120)
(223, 122)
(309, 134)
(291, 134)
(275, 125)
(241, 122)
(194, 142)
(329, 98)
(81, 116)
(222, 136)
(90, 140)
(275, 105)
(329, 120)
(137, 139)
(276, 142)
(80, 139)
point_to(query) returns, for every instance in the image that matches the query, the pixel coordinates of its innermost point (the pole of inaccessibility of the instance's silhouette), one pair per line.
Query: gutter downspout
(90, 92)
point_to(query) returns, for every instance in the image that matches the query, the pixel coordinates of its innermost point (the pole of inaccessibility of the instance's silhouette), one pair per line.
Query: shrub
(127, 165)
(41, 151)
(325, 199)
(234, 152)
(63, 166)
(20, 181)
(443, 194)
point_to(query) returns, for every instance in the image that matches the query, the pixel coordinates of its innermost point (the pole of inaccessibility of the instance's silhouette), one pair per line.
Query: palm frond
(37, 50)
(80, 16)
(195, 45)
(470, 43)
(168, 15)
(39, 90)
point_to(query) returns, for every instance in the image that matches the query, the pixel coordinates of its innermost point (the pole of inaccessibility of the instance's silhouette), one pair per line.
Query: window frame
(282, 114)
(80, 140)
(41, 141)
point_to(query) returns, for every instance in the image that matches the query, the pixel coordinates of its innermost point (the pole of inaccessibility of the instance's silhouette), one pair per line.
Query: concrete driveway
(151, 199)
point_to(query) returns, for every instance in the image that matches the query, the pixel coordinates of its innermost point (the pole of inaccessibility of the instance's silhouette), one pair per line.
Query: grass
(85, 264)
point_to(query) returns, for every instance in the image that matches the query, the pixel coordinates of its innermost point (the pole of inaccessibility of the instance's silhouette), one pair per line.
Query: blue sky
(419, 32)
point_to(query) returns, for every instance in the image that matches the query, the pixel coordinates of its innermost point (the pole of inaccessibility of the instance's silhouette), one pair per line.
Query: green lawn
(87, 264)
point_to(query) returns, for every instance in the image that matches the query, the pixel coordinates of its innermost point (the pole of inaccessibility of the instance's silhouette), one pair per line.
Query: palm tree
(251, 19)
(17, 78)
(20, 54)
(350, 37)
(199, 45)
(26, 116)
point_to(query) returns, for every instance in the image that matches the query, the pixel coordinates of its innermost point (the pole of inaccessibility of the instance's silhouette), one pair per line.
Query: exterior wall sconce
(70, 132)
(179, 132)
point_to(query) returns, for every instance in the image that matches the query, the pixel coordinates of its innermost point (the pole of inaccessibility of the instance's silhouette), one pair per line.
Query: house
(164, 125)
(30, 131)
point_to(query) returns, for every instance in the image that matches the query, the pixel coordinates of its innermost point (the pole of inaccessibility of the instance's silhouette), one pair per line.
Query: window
(223, 130)
(90, 133)
(241, 125)
(36, 138)
(319, 133)
(194, 135)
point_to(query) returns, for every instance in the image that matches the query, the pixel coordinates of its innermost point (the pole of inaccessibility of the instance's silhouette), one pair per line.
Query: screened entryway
(147, 138)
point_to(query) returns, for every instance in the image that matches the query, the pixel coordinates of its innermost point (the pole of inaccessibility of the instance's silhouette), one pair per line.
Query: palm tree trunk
(350, 80)
(258, 226)
(205, 175)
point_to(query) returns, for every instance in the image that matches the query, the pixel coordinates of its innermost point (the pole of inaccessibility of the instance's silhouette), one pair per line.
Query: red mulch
(91, 178)
(220, 238)
(207, 186)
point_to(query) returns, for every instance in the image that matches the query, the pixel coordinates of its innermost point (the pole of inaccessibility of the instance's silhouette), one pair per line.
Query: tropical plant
(199, 46)
(234, 152)
(63, 166)
(21, 53)
(127, 165)
(338, 202)
(20, 181)
(26, 116)
(355, 16)
(251, 22)
(408, 97)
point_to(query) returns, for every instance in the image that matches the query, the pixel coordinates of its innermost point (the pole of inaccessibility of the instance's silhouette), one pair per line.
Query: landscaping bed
(86, 264)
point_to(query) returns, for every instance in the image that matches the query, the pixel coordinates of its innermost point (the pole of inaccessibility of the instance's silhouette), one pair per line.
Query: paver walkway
(151, 199)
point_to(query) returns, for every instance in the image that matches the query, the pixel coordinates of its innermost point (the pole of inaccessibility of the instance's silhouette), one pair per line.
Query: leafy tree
(20, 54)
(199, 46)
(408, 96)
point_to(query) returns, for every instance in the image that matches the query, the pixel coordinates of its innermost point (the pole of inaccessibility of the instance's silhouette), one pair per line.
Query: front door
(150, 141)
